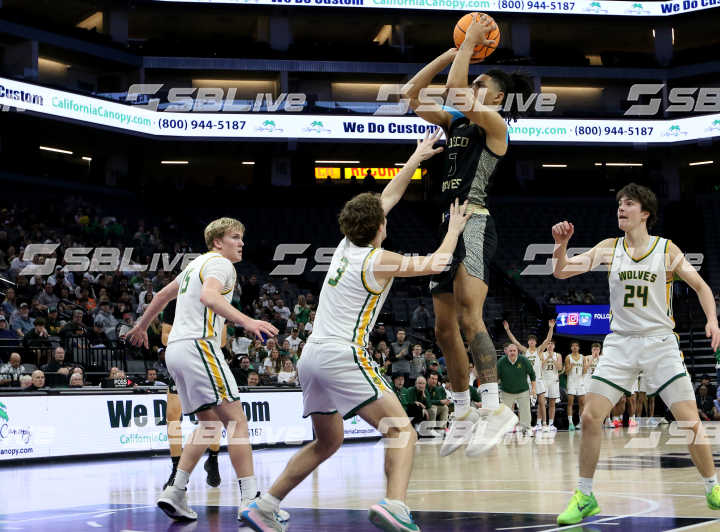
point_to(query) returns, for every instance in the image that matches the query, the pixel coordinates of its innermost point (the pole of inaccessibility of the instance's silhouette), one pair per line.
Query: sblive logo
(210, 100)
(681, 99)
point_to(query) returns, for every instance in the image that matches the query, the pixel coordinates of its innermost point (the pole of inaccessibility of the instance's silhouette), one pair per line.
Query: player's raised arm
(391, 264)
(565, 267)
(138, 334)
(431, 112)
(395, 190)
(543, 346)
(683, 269)
(211, 296)
(485, 116)
(514, 340)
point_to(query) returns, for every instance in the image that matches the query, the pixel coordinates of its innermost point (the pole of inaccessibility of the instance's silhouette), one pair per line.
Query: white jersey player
(532, 353)
(591, 362)
(204, 382)
(338, 377)
(641, 271)
(551, 369)
(575, 371)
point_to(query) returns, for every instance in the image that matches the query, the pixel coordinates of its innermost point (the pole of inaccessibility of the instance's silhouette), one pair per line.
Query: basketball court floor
(645, 482)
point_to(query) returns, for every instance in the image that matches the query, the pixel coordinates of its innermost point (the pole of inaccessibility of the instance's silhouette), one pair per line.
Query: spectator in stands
(37, 338)
(434, 368)
(76, 380)
(106, 320)
(282, 309)
(279, 322)
(379, 335)
(269, 288)
(253, 378)
(588, 298)
(250, 293)
(273, 364)
(294, 341)
(57, 362)
(9, 305)
(48, 298)
(285, 349)
(75, 327)
(22, 323)
(241, 343)
(417, 364)
(309, 325)
(704, 403)
(147, 290)
(10, 372)
(59, 279)
(144, 303)
(97, 337)
(302, 311)
(52, 324)
(25, 382)
(257, 352)
(160, 366)
(418, 402)
(400, 355)
(288, 374)
(383, 363)
(421, 319)
(242, 370)
(5, 332)
(439, 402)
(38, 381)
(705, 381)
(398, 386)
(151, 379)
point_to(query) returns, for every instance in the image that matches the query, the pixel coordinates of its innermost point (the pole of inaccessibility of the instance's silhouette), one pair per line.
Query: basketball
(481, 52)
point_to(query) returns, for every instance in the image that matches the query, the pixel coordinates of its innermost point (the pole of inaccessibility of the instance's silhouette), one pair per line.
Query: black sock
(175, 462)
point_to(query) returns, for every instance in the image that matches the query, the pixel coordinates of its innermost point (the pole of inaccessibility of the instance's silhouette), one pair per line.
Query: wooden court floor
(644, 482)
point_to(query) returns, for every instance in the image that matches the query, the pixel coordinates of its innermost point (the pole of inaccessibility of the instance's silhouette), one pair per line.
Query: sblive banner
(66, 425)
(581, 7)
(131, 119)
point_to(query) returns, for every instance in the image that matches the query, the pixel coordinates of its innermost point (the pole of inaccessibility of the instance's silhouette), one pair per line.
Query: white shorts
(576, 387)
(552, 389)
(202, 376)
(338, 377)
(540, 386)
(657, 356)
(587, 379)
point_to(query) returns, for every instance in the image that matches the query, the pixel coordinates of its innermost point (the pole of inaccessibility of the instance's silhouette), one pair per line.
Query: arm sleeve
(453, 112)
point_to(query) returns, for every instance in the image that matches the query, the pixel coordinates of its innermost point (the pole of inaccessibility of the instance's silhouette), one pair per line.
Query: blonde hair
(218, 228)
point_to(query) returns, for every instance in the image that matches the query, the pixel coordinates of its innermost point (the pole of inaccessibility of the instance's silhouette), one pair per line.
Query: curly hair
(361, 217)
(644, 196)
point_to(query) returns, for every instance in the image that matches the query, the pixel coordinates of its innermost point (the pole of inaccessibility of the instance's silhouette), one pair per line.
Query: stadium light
(174, 162)
(337, 162)
(55, 150)
(88, 159)
(249, 163)
(701, 163)
(623, 164)
(598, 164)
(554, 165)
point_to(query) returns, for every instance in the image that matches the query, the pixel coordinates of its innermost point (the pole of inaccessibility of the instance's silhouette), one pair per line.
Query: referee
(513, 372)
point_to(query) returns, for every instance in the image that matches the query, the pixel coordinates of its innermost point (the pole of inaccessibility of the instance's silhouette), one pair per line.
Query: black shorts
(475, 249)
(172, 387)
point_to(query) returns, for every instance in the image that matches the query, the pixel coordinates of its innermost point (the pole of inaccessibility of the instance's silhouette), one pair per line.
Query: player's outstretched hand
(478, 30)
(506, 325)
(425, 148)
(551, 323)
(712, 331)
(458, 217)
(137, 336)
(562, 232)
(259, 327)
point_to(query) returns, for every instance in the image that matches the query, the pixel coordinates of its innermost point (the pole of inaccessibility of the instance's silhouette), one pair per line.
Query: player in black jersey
(477, 139)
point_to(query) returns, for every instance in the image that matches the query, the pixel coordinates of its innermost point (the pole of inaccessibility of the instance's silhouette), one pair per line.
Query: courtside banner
(66, 425)
(278, 126)
(582, 7)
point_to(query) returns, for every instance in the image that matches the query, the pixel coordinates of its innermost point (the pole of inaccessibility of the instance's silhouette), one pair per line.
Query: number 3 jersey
(640, 290)
(350, 298)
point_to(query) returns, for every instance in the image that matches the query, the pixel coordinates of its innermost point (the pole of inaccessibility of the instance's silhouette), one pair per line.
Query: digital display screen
(582, 319)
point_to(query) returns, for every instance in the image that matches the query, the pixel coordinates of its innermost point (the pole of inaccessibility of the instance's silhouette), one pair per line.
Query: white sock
(462, 402)
(710, 483)
(551, 422)
(585, 485)
(181, 479)
(268, 503)
(248, 487)
(570, 420)
(490, 396)
(397, 504)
